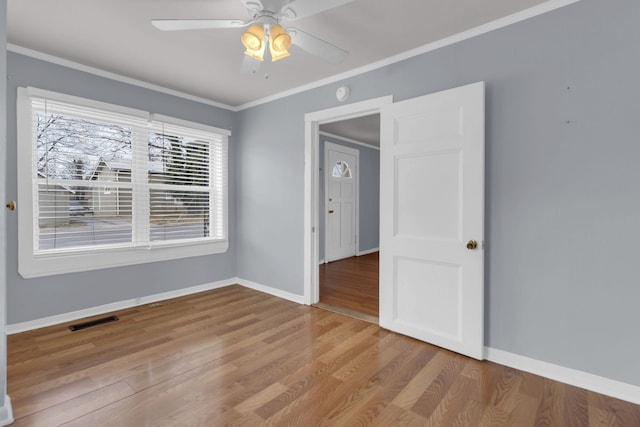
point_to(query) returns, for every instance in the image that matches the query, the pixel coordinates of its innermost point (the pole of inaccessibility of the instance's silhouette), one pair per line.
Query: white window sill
(71, 261)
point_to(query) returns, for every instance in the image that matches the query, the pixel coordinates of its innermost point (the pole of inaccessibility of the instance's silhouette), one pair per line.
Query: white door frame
(313, 121)
(356, 194)
(6, 412)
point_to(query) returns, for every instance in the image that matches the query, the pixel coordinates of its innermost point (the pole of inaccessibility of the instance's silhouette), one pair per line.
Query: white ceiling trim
(352, 141)
(540, 9)
(456, 38)
(113, 76)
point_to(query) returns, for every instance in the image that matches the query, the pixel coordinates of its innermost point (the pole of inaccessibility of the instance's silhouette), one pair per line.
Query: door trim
(313, 121)
(356, 214)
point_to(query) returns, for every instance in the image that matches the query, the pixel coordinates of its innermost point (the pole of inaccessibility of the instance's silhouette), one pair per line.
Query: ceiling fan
(264, 29)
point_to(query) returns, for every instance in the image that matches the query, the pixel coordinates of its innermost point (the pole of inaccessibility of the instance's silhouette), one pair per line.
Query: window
(102, 185)
(341, 170)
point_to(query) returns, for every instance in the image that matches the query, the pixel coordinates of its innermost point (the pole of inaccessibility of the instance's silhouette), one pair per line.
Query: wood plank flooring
(238, 357)
(351, 284)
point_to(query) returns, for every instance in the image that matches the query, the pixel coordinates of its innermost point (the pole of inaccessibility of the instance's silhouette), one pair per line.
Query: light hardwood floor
(351, 284)
(237, 357)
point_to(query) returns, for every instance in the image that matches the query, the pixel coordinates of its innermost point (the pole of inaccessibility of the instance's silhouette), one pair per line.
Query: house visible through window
(110, 179)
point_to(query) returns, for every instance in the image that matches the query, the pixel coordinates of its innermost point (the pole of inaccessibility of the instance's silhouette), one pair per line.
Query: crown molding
(113, 76)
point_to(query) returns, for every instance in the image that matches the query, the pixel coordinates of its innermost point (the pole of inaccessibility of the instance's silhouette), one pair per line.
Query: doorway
(349, 210)
(349, 275)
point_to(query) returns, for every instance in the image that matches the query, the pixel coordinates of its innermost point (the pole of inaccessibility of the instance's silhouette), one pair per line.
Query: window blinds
(107, 178)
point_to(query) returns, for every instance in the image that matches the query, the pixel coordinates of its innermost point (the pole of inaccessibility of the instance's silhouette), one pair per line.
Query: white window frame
(32, 264)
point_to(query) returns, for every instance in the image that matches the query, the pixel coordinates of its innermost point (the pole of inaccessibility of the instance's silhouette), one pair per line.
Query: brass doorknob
(330, 210)
(11, 205)
(472, 244)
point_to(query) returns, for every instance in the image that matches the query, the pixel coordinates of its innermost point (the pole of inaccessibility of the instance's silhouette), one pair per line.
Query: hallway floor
(351, 285)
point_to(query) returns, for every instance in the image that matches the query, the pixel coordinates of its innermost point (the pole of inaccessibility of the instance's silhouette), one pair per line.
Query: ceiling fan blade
(302, 8)
(318, 47)
(197, 24)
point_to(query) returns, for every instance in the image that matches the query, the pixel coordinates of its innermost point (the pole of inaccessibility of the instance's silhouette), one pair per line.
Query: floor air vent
(91, 323)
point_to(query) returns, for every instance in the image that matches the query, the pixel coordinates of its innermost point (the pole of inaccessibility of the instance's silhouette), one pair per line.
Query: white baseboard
(121, 305)
(368, 251)
(271, 291)
(106, 308)
(6, 412)
(598, 384)
(321, 262)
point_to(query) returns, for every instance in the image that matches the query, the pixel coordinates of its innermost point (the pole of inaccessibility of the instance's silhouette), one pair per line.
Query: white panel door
(341, 171)
(432, 219)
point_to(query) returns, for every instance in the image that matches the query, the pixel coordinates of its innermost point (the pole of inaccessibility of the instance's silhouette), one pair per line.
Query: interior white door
(432, 219)
(341, 187)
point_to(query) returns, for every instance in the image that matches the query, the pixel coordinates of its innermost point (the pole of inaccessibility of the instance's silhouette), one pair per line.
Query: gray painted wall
(369, 208)
(562, 202)
(37, 298)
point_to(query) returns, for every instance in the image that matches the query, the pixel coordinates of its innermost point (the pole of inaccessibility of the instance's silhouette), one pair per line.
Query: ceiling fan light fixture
(252, 39)
(255, 54)
(262, 30)
(279, 43)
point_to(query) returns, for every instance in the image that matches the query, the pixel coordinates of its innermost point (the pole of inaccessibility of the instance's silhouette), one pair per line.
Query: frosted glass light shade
(279, 42)
(253, 40)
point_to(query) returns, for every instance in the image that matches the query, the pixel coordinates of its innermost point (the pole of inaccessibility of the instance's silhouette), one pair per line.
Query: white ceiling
(116, 36)
(361, 129)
